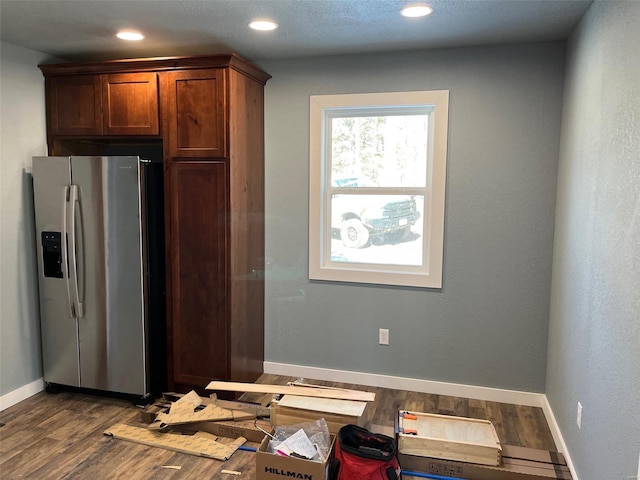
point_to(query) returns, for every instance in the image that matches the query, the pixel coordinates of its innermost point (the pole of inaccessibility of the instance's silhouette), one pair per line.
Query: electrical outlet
(579, 416)
(383, 336)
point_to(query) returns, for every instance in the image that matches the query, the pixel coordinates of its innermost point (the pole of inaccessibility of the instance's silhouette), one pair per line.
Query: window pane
(377, 229)
(379, 151)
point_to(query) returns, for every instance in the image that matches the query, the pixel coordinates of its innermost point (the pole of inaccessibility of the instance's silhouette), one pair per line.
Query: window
(377, 187)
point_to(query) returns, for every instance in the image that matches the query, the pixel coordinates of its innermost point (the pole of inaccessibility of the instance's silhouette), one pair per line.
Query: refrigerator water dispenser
(52, 254)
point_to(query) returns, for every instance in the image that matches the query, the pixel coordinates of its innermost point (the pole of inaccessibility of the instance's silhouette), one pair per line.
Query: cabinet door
(130, 103)
(198, 264)
(194, 113)
(74, 105)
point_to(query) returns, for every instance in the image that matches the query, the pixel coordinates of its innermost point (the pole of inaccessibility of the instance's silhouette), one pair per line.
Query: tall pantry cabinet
(207, 113)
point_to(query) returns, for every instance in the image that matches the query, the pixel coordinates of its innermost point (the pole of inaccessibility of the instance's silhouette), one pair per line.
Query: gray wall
(488, 325)
(23, 135)
(594, 338)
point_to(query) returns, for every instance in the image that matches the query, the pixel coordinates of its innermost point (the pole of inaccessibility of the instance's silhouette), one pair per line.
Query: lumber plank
(292, 390)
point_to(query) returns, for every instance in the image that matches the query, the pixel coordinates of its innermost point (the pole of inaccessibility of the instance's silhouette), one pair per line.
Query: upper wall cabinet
(110, 104)
(130, 104)
(74, 106)
(195, 112)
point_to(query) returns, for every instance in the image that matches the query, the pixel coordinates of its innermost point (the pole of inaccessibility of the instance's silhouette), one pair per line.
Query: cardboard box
(518, 463)
(246, 429)
(448, 437)
(201, 444)
(150, 412)
(293, 409)
(225, 428)
(270, 466)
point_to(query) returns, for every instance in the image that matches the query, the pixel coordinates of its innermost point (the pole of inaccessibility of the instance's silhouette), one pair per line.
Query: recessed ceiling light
(263, 25)
(129, 35)
(417, 10)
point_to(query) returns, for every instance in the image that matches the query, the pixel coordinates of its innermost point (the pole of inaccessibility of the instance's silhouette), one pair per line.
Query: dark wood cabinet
(195, 107)
(96, 105)
(209, 117)
(74, 105)
(215, 163)
(130, 104)
(199, 290)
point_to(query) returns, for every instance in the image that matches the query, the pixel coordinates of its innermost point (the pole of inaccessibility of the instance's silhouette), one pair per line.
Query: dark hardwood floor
(61, 436)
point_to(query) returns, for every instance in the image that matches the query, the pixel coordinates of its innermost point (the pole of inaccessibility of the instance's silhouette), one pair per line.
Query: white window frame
(427, 275)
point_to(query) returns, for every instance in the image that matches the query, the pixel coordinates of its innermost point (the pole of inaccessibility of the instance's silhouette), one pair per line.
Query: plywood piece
(448, 437)
(293, 409)
(305, 391)
(329, 405)
(201, 444)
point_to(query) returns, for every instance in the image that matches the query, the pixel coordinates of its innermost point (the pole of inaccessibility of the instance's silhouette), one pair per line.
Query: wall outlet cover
(383, 336)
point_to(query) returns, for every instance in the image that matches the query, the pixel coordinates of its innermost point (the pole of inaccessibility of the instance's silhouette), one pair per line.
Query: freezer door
(111, 322)
(51, 178)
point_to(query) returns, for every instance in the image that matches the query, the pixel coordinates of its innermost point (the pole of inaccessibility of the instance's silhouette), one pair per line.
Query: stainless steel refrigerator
(101, 271)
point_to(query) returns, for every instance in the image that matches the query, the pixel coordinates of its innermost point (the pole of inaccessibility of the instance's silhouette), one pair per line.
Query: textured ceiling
(84, 29)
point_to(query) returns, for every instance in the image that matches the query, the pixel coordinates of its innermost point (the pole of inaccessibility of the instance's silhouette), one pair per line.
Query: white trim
(557, 436)
(22, 393)
(413, 384)
(428, 274)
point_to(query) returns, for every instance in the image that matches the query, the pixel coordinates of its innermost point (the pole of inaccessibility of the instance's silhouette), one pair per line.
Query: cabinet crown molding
(157, 64)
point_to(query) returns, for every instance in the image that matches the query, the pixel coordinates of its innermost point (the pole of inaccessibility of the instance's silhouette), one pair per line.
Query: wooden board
(448, 437)
(316, 391)
(293, 409)
(348, 408)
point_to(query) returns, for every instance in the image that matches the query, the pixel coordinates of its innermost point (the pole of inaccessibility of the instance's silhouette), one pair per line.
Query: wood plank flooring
(61, 436)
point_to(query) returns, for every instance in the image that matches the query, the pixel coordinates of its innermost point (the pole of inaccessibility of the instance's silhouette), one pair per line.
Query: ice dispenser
(52, 254)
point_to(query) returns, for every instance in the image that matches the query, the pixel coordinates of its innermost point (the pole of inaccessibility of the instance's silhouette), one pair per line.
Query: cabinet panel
(130, 103)
(198, 256)
(74, 105)
(195, 113)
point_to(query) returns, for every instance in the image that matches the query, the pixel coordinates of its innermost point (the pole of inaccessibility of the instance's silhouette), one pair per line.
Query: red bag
(362, 455)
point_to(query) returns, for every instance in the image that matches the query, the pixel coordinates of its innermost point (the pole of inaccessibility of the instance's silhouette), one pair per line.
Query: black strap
(391, 473)
(334, 468)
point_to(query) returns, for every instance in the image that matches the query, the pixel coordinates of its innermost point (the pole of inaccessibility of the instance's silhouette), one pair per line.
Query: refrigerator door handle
(77, 307)
(65, 248)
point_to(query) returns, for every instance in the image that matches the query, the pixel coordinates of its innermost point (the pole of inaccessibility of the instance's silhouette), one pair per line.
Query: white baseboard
(413, 384)
(557, 436)
(428, 386)
(21, 393)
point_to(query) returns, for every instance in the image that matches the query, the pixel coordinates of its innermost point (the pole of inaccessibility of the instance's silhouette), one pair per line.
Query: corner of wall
(557, 436)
